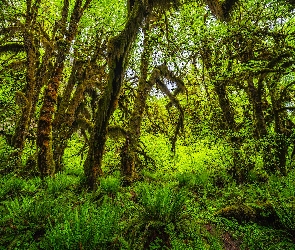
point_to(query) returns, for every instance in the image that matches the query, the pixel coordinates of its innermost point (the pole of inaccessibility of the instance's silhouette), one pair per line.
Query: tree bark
(129, 150)
(255, 95)
(118, 52)
(32, 59)
(44, 133)
(280, 145)
(22, 127)
(224, 104)
(65, 121)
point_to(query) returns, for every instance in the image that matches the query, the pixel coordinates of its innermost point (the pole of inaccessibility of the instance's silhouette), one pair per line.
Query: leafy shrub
(85, 227)
(74, 156)
(31, 186)
(10, 186)
(158, 210)
(195, 236)
(24, 220)
(198, 180)
(7, 161)
(257, 175)
(263, 238)
(162, 203)
(282, 197)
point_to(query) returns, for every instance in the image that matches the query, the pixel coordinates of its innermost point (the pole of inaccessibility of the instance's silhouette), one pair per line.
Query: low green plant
(195, 235)
(282, 197)
(110, 184)
(24, 220)
(197, 181)
(158, 210)
(263, 238)
(10, 185)
(162, 203)
(85, 227)
(8, 161)
(61, 182)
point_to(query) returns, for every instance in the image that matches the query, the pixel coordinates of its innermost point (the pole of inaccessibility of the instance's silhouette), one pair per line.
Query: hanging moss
(116, 132)
(159, 5)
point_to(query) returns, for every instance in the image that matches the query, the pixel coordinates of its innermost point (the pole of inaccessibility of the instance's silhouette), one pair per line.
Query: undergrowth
(193, 204)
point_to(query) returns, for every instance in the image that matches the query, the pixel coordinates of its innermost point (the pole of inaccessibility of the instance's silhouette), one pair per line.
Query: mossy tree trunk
(212, 65)
(32, 60)
(255, 97)
(118, 53)
(221, 9)
(279, 97)
(240, 168)
(225, 105)
(70, 115)
(280, 142)
(129, 152)
(130, 147)
(44, 132)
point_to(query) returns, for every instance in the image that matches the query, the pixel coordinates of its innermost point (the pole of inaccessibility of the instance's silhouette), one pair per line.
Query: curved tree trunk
(18, 140)
(224, 104)
(118, 53)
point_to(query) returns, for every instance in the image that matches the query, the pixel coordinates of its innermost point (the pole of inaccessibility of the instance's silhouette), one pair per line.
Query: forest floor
(185, 200)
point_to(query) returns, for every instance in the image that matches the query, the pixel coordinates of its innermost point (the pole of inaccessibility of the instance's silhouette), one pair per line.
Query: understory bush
(282, 197)
(86, 227)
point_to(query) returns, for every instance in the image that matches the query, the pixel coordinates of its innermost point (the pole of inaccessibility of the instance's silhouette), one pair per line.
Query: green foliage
(253, 236)
(74, 156)
(86, 227)
(25, 219)
(60, 183)
(196, 181)
(162, 203)
(158, 212)
(110, 184)
(11, 82)
(10, 185)
(282, 197)
(256, 237)
(7, 161)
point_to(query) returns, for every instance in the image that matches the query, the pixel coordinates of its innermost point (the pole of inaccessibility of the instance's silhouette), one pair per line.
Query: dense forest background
(147, 124)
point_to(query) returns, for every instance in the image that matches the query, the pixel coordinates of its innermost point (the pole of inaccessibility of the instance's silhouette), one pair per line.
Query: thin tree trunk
(280, 141)
(22, 128)
(129, 150)
(63, 124)
(44, 133)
